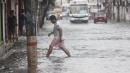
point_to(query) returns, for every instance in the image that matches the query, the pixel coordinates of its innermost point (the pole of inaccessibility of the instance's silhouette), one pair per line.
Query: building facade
(121, 10)
(2, 32)
(5, 7)
(12, 5)
(1, 26)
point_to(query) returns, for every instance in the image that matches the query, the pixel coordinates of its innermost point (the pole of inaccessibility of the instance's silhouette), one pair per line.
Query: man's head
(11, 12)
(53, 19)
(21, 11)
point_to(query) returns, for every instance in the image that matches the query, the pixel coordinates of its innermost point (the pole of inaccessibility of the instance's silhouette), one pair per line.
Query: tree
(30, 10)
(43, 8)
(31, 7)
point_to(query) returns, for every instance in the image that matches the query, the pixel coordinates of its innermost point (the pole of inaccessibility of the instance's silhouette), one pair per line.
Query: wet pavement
(17, 62)
(95, 48)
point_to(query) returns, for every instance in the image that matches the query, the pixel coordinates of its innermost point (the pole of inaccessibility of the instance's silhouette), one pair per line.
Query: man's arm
(50, 33)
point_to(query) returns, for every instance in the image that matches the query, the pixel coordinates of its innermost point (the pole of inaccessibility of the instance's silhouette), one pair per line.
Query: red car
(100, 17)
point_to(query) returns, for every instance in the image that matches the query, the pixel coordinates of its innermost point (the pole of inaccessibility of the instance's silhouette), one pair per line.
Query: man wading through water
(57, 40)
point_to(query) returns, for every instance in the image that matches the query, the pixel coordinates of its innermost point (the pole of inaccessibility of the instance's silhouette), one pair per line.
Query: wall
(12, 5)
(124, 15)
(1, 23)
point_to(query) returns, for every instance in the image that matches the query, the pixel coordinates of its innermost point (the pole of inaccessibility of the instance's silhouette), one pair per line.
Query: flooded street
(96, 34)
(95, 48)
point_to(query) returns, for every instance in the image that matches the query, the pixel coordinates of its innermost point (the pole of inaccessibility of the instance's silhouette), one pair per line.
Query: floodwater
(95, 48)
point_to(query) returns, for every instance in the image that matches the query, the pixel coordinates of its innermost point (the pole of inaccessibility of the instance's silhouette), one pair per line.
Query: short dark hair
(52, 17)
(11, 11)
(21, 10)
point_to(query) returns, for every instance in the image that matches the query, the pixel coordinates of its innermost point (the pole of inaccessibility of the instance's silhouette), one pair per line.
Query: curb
(8, 51)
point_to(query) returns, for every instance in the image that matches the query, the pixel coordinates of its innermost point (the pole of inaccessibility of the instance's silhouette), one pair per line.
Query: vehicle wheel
(105, 21)
(72, 21)
(61, 18)
(95, 22)
(86, 21)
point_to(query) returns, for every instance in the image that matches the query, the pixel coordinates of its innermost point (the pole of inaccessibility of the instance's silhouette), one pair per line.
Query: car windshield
(78, 9)
(100, 14)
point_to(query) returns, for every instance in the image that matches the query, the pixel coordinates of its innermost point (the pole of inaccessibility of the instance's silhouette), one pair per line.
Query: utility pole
(61, 2)
(30, 10)
(118, 11)
(97, 6)
(113, 13)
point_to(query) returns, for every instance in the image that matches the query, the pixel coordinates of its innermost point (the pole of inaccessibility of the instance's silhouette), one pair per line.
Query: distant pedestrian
(57, 40)
(22, 22)
(11, 25)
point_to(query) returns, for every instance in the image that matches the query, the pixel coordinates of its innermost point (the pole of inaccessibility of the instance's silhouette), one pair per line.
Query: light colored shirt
(56, 31)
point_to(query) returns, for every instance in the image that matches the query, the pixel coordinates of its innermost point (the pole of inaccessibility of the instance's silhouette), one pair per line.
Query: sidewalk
(6, 50)
(16, 61)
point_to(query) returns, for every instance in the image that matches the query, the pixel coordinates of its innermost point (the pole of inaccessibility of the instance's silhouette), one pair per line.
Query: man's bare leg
(66, 51)
(49, 51)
